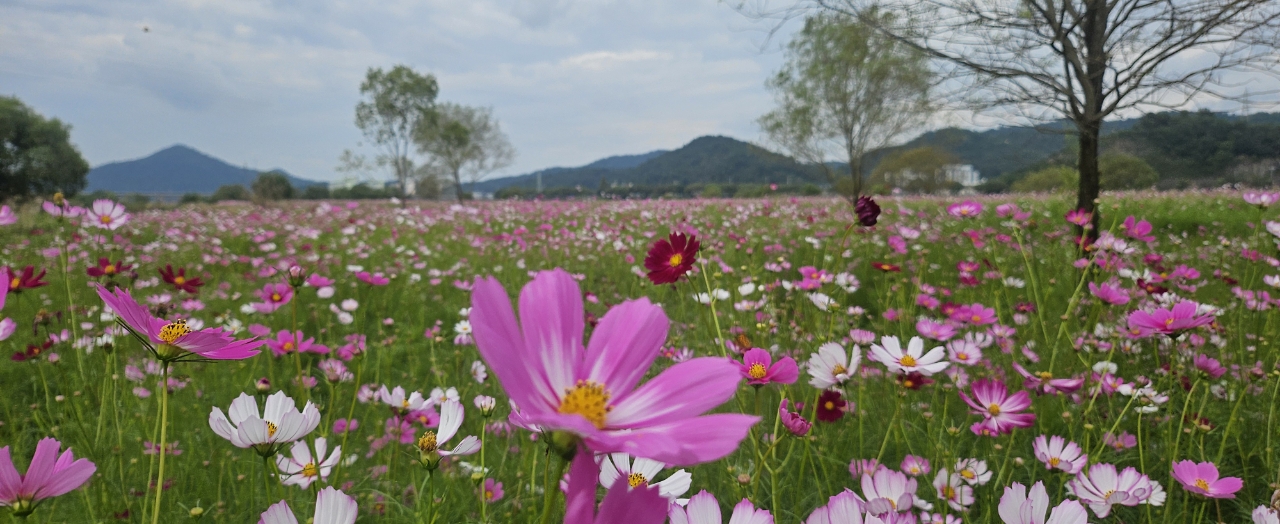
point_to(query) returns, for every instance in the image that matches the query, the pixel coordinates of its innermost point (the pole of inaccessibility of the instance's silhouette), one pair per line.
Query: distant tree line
(672, 191)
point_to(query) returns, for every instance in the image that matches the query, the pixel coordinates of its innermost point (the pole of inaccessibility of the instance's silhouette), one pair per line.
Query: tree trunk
(457, 184)
(1090, 119)
(855, 171)
(1087, 165)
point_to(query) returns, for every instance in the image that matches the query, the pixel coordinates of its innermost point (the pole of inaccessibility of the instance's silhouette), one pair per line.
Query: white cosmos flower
(889, 352)
(823, 301)
(303, 468)
(746, 289)
(280, 422)
(641, 472)
(830, 365)
(399, 400)
(440, 396)
(478, 372)
(332, 507)
(451, 415)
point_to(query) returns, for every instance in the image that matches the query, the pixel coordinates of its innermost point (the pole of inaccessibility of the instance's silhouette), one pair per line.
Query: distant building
(964, 174)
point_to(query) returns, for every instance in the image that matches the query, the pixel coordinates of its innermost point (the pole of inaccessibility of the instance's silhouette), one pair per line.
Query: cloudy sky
(274, 83)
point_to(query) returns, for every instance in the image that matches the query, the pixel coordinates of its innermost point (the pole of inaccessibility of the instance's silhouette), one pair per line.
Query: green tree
(919, 170)
(395, 104)
(1121, 171)
(231, 192)
(1048, 180)
(463, 144)
(36, 155)
(191, 198)
(272, 186)
(846, 90)
(316, 192)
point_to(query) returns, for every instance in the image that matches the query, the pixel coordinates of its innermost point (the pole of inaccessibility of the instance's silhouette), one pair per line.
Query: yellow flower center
(907, 361)
(948, 492)
(588, 399)
(110, 269)
(676, 259)
(838, 370)
(969, 474)
(173, 331)
(1045, 375)
(975, 319)
(275, 297)
(757, 371)
(288, 346)
(1200, 483)
(427, 443)
(962, 355)
(179, 280)
(636, 480)
(1054, 461)
(105, 219)
(13, 284)
(310, 470)
(404, 403)
(1168, 322)
(271, 429)
(994, 409)
(830, 405)
(488, 494)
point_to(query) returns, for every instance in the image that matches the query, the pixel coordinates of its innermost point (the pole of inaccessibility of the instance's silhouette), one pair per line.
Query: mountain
(175, 170)
(708, 159)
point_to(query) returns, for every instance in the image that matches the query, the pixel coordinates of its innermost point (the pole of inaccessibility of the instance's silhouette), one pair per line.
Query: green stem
(164, 428)
(550, 489)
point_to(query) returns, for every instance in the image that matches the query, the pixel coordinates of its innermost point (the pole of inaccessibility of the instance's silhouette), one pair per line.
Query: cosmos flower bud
(263, 386)
(485, 404)
(297, 276)
(867, 210)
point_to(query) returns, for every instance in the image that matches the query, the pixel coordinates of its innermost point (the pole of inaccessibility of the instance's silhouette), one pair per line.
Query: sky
(274, 83)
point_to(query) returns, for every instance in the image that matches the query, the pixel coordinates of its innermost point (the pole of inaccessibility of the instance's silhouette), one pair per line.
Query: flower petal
(625, 343)
(500, 342)
(551, 318)
(684, 390)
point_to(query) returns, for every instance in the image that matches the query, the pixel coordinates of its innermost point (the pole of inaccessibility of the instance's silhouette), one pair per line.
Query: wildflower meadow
(774, 360)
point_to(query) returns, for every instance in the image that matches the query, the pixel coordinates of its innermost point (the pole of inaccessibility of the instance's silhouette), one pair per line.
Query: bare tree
(1079, 59)
(397, 100)
(845, 90)
(463, 144)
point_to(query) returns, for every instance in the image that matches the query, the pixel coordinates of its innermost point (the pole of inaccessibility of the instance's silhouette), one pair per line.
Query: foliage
(845, 90)
(231, 192)
(36, 154)
(919, 170)
(316, 192)
(1048, 180)
(272, 186)
(1121, 171)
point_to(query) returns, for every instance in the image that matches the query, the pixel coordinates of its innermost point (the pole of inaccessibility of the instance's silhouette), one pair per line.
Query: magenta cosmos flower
(174, 341)
(48, 476)
(999, 409)
(758, 368)
(591, 393)
(290, 341)
(1109, 293)
(1057, 452)
(1202, 479)
(273, 297)
(1183, 316)
(966, 209)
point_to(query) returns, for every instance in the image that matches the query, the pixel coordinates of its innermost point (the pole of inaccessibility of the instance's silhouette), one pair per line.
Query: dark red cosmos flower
(1152, 288)
(867, 209)
(179, 279)
(914, 380)
(886, 267)
(32, 352)
(671, 257)
(28, 279)
(106, 269)
(830, 406)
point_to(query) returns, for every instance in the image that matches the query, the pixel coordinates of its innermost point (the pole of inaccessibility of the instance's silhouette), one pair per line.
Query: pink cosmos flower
(758, 368)
(1261, 199)
(273, 296)
(1202, 479)
(1265, 515)
(7, 217)
(962, 351)
(1137, 229)
(590, 393)
(915, 466)
(860, 467)
(174, 341)
(913, 360)
(975, 314)
(792, 420)
(62, 211)
(1102, 488)
(704, 509)
(289, 341)
(1043, 382)
(845, 508)
(999, 409)
(1109, 293)
(1121, 442)
(622, 503)
(888, 491)
(49, 475)
(1183, 316)
(374, 279)
(491, 491)
(1018, 506)
(317, 280)
(940, 331)
(813, 278)
(1079, 217)
(966, 209)
(1056, 452)
(952, 489)
(106, 214)
(1210, 366)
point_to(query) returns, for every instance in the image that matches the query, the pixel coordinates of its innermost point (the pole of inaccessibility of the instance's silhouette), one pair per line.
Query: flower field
(745, 361)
